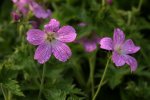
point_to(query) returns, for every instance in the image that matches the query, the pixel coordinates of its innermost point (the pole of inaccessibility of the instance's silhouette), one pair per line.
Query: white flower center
(119, 49)
(50, 36)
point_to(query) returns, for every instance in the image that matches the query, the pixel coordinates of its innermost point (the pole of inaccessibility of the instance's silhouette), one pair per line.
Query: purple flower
(121, 49)
(52, 41)
(38, 11)
(90, 44)
(24, 6)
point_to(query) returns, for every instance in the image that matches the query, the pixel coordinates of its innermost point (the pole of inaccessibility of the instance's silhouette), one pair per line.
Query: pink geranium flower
(52, 41)
(90, 43)
(24, 6)
(121, 49)
(39, 11)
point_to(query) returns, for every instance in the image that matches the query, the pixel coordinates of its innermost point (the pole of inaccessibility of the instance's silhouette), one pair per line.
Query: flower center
(118, 49)
(50, 36)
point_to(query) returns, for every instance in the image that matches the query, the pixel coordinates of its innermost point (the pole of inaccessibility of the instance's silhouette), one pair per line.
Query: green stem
(9, 95)
(103, 2)
(91, 77)
(3, 91)
(129, 18)
(102, 79)
(92, 67)
(101, 9)
(42, 81)
(140, 4)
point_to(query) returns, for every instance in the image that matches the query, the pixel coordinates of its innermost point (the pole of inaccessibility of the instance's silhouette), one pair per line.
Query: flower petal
(61, 51)
(22, 5)
(66, 34)
(131, 61)
(106, 43)
(43, 53)
(35, 36)
(38, 11)
(129, 47)
(14, 1)
(118, 37)
(52, 26)
(89, 46)
(118, 59)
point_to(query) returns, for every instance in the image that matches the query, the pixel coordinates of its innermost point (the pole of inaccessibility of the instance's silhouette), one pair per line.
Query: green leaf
(13, 87)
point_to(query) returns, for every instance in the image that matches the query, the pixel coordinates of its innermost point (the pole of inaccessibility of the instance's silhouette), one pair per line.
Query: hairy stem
(92, 65)
(102, 79)
(42, 81)
(91, 77)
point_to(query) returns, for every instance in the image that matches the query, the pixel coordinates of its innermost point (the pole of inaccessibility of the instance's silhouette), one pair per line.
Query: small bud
(34, 24)
(15, 16)
(82, 24)
(109, 2)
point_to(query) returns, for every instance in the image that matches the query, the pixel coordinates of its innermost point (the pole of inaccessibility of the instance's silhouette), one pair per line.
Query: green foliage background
(20, 74)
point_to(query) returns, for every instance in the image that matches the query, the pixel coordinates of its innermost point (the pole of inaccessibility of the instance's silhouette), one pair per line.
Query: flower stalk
(91, 77)
(102, 80)
(42, 81)
(103, 2)
(92, 67)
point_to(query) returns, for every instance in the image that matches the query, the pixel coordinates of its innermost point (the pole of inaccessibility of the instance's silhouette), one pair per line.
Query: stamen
(118, 49)
(50, 36)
